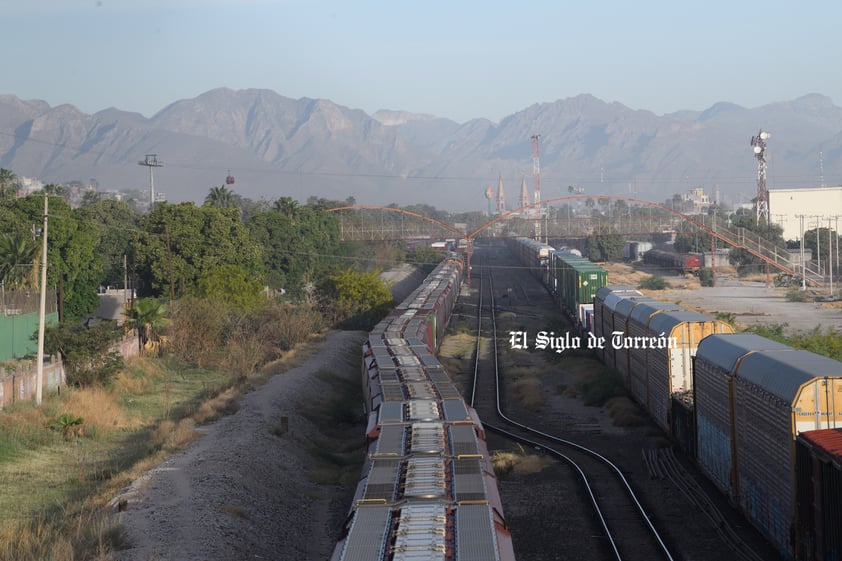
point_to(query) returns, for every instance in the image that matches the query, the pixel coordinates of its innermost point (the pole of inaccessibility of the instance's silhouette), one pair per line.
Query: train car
(433, 301)
(574, 283)
(818, 457)
(605, 301)
(683, 263)
(669, 369)
(636, 347)
(427, 489)
(534, 254)
(763, 398)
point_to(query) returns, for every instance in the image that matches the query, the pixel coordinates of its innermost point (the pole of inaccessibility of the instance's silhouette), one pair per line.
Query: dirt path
(242, 491)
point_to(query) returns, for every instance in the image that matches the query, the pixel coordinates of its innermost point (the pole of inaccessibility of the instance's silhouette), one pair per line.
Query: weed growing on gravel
(596, 389)
(518, 461)
(624, 412)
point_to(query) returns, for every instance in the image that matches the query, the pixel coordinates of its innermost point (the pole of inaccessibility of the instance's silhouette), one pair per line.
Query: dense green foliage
(85, 351)
(74, 264)
(825, 342)
(605, 244)
(361, 299)
(178, 244)
(300, 244)
(745, 262)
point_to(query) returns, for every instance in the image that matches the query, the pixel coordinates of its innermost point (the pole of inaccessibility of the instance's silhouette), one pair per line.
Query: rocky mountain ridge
(277, 146)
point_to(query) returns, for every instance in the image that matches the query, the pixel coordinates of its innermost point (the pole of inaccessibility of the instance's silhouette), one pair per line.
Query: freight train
(428, 489)
(742, 406)
(762, 420)
(683, 263)
(572, 280)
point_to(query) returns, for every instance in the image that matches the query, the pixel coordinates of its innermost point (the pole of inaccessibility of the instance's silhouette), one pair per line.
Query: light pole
(151, 161)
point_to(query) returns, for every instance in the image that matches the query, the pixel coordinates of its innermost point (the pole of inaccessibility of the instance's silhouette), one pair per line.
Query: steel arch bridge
(377, 223)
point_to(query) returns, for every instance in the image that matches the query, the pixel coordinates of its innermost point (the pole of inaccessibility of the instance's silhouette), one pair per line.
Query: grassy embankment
(62, 463)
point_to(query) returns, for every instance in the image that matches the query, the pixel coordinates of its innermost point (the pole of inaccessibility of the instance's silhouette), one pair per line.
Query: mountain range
(274, 146)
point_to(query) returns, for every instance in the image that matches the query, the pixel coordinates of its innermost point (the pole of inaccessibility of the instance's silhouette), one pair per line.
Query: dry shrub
(224, 403)
(173, 436)
(195, 331)
(518, 462)
(624, 411)
(527, 392)
(98, 408)
(287, 325)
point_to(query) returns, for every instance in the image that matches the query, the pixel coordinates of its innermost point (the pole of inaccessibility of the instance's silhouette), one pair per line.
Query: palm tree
(17, 260)
(8, 183)
(287, 206)
(148, 316)
(221, 197)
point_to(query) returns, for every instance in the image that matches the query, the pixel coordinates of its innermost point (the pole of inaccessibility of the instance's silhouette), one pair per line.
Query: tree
(297, 246)
(179, 243)
(116, 222)
(73, 264)
(221, 197)
(744, 260)
(147, 316)
(86, 351)
(18, 255)
(233, 287)
(361, 298)
(286, 206)
(8, 183)
(605, 244)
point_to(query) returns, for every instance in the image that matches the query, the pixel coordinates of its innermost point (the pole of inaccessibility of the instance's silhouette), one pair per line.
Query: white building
(819, 206)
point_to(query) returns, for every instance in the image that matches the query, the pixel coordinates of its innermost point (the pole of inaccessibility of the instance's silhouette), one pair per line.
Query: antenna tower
(759, 144)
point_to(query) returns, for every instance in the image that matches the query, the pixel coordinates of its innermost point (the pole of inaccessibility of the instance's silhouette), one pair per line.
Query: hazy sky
(455, 59)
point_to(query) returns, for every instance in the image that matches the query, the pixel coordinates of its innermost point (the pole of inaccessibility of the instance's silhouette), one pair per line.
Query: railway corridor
(548, 510)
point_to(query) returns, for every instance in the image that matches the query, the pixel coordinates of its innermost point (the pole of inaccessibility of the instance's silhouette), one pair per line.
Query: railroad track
(627, 529)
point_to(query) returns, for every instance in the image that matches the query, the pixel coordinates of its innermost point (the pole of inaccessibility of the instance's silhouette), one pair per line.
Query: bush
(798, 296)
(706, 277)
(654, 282)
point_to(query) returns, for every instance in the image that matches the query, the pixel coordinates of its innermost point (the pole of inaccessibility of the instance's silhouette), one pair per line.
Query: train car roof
(826, 444)
(642, 313)
(725, 349)
(666, 321)
(784, 373)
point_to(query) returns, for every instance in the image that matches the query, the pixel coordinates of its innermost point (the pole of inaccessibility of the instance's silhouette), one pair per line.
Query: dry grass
(224, 403)
(625, 412)
(518, 462)
(171, 435)
(527, 392)
(99, 409)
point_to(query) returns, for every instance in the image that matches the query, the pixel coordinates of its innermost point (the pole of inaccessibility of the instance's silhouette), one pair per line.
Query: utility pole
(42, 311)
(803, 264)
(151, 161)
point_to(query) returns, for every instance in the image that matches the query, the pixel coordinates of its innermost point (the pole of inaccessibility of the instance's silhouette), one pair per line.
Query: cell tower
(501, 198)
(536, 168)
(758, 143)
